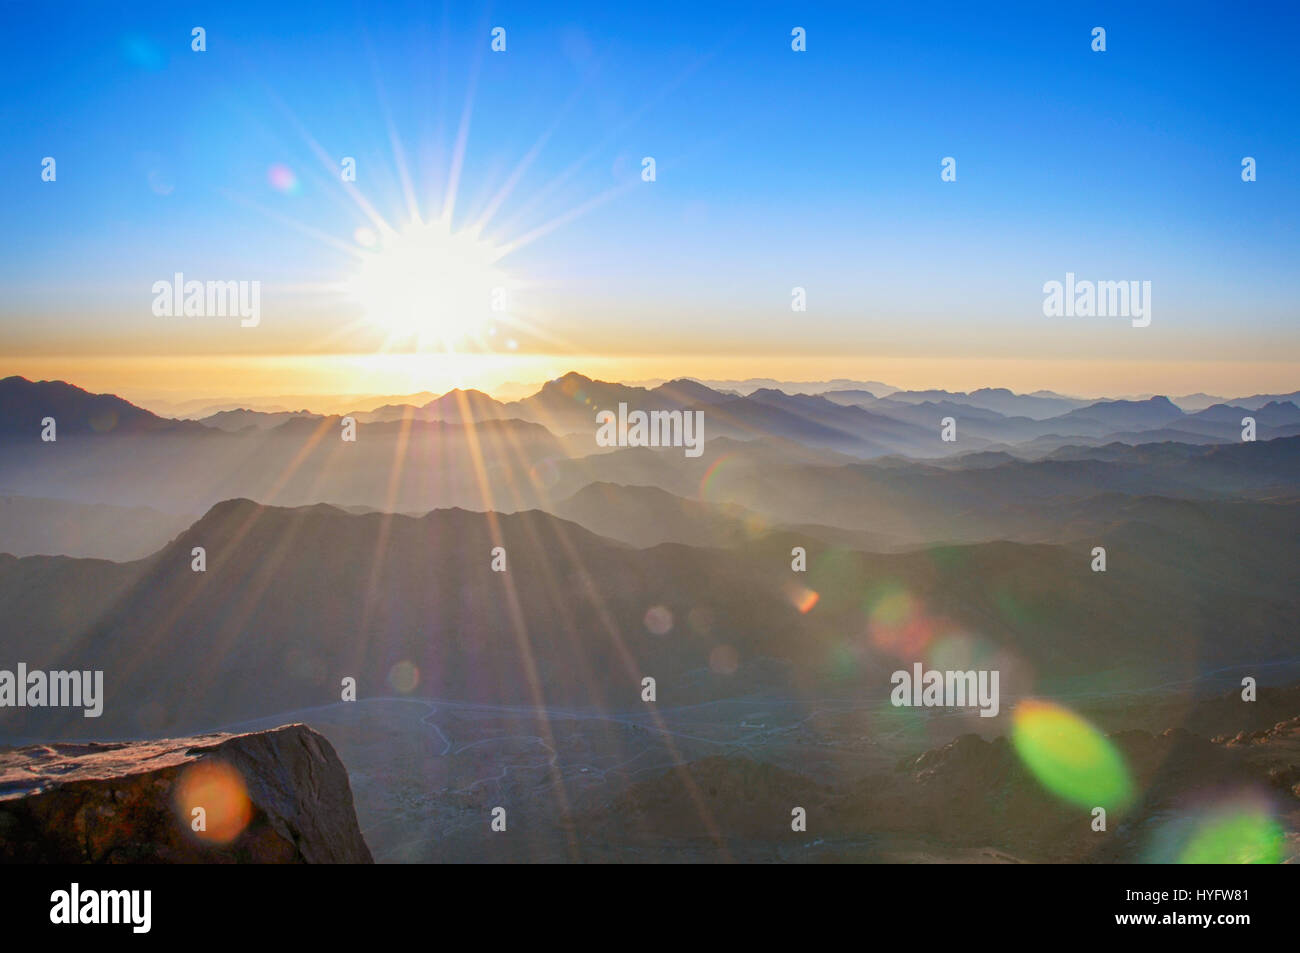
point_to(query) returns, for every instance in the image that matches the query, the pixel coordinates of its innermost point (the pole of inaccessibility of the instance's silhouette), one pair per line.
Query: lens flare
(1070, 757)
(714, 476)
(756, 526)
(894, 607)
(211, 795)
(403, 677)
(801, 597)
(897, 623)
(659, 620)
(282, 179)
(1235, 834)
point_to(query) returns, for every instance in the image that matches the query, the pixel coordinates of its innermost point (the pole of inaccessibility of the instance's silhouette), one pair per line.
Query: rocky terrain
(279, 796)
(971, 798)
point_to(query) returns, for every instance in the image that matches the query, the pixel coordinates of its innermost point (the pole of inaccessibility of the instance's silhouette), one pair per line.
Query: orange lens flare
(213, 802)
(801, 597)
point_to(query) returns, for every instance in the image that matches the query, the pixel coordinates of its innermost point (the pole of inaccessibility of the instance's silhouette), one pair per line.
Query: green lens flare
(1070, 757)
(1246, 836)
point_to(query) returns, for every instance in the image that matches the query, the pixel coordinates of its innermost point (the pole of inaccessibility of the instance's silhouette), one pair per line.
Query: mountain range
(496, 588)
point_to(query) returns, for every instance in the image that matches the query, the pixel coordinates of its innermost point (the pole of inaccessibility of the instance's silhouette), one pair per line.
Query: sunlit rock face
(279, 796)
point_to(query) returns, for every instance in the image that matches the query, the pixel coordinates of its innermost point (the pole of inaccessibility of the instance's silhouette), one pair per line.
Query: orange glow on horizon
(146, 378)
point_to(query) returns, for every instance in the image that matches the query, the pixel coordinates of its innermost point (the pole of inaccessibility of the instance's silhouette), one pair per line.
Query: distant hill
(236, 420)
(24, 404)
(294, 600)
(395, 465)
(783, 457)
(1112, 415)
(922, 501)
(455, 406)
(751, 384)
(1259, 400)
(1037, 406)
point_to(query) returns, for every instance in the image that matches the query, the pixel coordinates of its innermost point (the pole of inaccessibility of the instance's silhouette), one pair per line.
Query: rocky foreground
(974, 800)
(277, 796)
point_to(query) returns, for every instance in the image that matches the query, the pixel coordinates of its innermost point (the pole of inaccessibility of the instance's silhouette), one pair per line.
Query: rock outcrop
(278, 796)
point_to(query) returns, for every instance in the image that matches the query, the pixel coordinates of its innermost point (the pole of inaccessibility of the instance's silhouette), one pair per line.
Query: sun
(431, 285)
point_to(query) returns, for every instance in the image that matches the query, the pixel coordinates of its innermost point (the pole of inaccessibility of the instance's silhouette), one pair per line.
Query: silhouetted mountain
(236, 420)
(1191, 403)
(919, 501)
(293, 601)
(751, 384)
(1108, 416)
(1258, 464)
(456, 406)
(976, 426)
(24, 404)
(688, 393)
(818, 422)
(569, 404)
(1273, 414)
(462, 406)
(1259, 400)
(1037, 406)
(779, 456)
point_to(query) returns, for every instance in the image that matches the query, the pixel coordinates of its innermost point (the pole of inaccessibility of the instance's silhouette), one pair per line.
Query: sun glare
(430, 284)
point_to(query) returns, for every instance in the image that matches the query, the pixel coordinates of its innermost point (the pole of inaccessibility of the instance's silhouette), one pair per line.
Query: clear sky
(774, 169)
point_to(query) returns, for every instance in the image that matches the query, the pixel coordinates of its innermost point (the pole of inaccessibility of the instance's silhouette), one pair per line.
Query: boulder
(277, 796)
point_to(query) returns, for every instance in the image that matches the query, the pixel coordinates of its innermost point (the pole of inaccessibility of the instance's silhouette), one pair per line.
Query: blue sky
(775, 168)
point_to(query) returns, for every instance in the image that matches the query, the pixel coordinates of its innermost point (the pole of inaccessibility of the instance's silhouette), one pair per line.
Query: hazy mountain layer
(293, 601)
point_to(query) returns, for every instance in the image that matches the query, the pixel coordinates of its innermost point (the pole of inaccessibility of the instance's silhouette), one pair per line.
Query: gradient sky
(775, 169)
